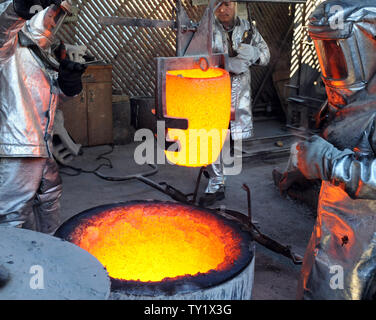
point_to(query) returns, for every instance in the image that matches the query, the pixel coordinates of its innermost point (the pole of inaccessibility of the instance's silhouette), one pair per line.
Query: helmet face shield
(342, 68)
(43, 27)
(347, 52)
(341, 61)
(332, 59)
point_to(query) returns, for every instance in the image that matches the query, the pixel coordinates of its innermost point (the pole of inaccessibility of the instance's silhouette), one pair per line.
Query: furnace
(169, 250)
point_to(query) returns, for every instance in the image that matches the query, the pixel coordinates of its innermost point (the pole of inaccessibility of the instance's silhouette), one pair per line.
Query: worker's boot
(210, 198)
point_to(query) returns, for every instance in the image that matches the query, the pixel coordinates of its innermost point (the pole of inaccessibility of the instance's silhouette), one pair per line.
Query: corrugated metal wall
(131, 50)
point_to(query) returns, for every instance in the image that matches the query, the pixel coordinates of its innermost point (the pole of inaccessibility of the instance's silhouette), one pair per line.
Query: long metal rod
(241, 218)
(260, 238)
(246, 188)
(136, 22)
(276, 247)
(198, 184)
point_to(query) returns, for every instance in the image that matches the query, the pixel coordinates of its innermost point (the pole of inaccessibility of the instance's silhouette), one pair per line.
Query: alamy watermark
(35, 9)
(37, 279)
(337, 280)
(196, 143)
(337, 20)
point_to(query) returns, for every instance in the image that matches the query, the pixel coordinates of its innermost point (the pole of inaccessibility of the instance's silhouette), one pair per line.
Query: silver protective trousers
(340, 260)
(30, 191)
(217, 178)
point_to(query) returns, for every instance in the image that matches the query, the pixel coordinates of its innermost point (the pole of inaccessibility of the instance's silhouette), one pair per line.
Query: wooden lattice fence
(131, 50)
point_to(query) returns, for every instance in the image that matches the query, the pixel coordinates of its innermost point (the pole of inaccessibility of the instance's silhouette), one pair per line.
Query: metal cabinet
(88, 116)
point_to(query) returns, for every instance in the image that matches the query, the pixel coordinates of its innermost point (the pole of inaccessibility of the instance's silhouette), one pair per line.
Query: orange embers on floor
(151, 242)
(204, 98)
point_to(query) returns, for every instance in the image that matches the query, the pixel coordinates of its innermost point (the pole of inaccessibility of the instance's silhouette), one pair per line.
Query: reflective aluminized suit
(28, 97)
(242, 126)
(340, 260)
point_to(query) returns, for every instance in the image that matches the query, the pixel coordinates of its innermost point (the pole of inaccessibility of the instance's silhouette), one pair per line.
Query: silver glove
(76, 53)
(315, 158)
(248, 52)
(238, 65)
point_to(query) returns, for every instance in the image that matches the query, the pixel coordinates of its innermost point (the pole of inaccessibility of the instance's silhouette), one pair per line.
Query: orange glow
(335, 69)
(332, 200)
(151, 242)
(204, 98)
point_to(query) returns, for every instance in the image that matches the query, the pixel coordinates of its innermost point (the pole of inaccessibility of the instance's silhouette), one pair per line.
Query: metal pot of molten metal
(204, 99)
(166, 250)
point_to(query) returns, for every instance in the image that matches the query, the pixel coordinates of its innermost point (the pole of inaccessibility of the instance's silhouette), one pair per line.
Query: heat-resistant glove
(26, 9)
(238, 65)
(69, 78)
(76, 53)
(315, 157)
(248, 52)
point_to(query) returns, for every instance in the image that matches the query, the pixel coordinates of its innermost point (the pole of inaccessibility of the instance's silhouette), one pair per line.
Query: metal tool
(92, 62)
(193, 50)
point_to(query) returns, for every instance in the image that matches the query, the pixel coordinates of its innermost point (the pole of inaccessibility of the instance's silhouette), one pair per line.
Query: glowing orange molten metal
(204, 98)
(152, 242)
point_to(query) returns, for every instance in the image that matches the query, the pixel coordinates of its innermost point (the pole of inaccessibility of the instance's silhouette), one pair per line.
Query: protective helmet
(42, 28)
(344, 34)
(39, 33)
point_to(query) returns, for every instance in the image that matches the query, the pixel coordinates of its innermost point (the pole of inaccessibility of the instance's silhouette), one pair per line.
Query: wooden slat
(132, 50)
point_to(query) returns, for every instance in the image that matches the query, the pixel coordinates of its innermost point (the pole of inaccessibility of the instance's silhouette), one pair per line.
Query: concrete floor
(282, 219)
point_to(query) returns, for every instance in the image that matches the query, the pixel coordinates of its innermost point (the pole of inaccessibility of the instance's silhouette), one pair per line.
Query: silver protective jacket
(28, 90)
(242, 126)
(340, 260)
(241, 95)
(343, 32)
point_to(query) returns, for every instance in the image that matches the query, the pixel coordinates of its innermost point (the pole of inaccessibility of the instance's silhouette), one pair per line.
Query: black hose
(129, 177)
(78, 171)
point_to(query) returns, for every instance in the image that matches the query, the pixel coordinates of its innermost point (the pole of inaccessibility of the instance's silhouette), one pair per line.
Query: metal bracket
(244, 220)
(180, 63)
(193, 50)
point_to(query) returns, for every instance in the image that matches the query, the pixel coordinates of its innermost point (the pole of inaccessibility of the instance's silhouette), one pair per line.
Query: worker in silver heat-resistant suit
(245, 47)
(340, 260)
(31, 81)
